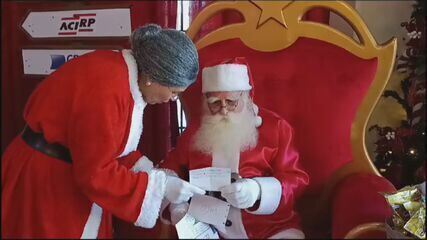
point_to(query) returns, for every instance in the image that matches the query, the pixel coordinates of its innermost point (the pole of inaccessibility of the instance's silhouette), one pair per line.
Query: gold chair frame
(275, 25)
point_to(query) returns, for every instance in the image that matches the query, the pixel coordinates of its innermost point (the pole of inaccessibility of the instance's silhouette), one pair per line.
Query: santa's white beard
(227, 135)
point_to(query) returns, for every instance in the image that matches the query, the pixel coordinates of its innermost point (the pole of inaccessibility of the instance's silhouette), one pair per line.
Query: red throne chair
(326, 85)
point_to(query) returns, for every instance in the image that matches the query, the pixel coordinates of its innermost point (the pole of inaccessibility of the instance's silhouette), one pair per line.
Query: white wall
(340, 24)
(384, 17)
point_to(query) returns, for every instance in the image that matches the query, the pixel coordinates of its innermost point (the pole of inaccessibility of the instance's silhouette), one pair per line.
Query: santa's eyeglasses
(216, 105)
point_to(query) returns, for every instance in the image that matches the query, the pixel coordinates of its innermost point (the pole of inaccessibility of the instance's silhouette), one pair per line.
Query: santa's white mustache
(226, 133)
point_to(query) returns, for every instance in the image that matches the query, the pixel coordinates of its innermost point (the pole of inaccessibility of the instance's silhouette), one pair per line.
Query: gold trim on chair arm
(361, 229)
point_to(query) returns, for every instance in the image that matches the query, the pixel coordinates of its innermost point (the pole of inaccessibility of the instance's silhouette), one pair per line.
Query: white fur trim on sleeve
(271, 193)
(169, 172)
(142, 165)
(153, 198)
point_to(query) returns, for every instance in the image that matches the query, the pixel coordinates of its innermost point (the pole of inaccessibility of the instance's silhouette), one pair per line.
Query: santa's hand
(179, 191)
(178, 211)
(242, 194)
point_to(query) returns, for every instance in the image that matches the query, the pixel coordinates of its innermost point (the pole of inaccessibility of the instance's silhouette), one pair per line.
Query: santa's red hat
(227, 76)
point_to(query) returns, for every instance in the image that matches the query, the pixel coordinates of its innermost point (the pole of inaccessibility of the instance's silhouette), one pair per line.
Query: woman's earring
(174, 98)
(148, 83)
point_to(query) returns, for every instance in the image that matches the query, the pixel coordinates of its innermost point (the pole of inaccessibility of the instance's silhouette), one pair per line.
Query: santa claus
(256, 144)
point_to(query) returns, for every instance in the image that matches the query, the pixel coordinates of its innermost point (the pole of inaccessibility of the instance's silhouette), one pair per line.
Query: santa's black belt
(39, 143)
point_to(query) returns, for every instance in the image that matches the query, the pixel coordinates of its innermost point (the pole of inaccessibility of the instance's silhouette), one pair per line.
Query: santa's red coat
(273, 163)
(92, 105)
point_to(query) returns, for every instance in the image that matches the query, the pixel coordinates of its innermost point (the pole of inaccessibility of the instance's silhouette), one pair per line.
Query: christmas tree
(401, 151)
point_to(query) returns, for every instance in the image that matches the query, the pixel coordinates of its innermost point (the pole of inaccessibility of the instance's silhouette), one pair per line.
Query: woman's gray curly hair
(167, 56)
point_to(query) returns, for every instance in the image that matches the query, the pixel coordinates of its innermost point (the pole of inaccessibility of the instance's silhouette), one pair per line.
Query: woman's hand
(242, 194)
(179, 191)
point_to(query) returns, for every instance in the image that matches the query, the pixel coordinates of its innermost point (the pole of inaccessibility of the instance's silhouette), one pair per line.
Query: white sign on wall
(46, 61)
(79, 23)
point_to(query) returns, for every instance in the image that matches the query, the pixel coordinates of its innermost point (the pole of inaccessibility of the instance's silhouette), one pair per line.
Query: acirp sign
(79, 23)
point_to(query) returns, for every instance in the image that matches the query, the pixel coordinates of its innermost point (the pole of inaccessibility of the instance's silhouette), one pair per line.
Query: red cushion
(315, 85)
(357, 200)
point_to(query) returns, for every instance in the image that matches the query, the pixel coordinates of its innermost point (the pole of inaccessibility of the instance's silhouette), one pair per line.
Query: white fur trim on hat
(271, 193)
(256, 108)
(154, 194)
(225, 78)
(258, 119)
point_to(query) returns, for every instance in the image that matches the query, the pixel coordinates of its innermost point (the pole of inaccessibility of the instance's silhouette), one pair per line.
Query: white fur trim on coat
(143, 165)
(225, 77)
(271, 193)
(153, 198)
(135, 130)
(93, 222)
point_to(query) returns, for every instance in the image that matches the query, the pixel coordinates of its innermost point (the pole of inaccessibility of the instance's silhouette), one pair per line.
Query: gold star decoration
(271, 10)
